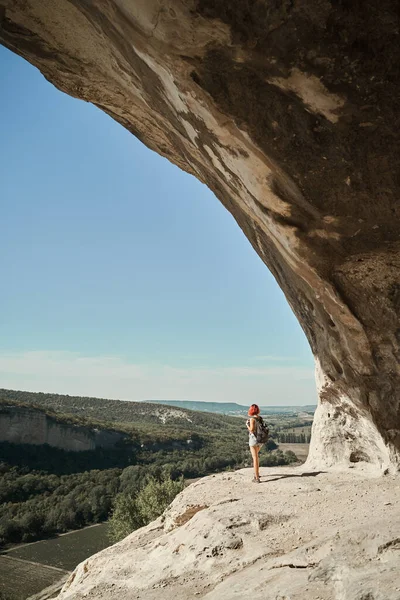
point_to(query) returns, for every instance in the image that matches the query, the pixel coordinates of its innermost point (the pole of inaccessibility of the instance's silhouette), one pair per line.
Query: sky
(123, 276)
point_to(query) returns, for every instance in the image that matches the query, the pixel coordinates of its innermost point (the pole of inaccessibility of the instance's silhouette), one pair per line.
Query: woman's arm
(252, 426)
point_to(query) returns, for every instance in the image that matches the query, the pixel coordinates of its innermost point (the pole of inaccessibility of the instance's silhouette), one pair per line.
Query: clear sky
(122, 276)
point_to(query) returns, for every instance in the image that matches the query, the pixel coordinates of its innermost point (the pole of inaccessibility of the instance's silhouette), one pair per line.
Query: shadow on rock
(278, 476)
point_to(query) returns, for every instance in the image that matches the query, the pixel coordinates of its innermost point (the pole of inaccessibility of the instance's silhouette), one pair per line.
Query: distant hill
(142, 419)
(226, 408)
(234, 409)
(183, 415)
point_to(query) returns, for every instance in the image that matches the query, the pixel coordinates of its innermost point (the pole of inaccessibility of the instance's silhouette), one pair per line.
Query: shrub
(291, 456)
(131, 512)
(125, 517)
(154, 498)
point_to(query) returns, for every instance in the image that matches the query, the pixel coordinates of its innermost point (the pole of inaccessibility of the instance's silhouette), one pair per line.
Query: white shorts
(253, 441)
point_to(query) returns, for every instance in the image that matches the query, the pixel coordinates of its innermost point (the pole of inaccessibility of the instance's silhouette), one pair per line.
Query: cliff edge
(297, 535)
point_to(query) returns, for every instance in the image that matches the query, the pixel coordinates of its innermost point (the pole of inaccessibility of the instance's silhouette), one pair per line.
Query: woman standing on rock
(258, 436)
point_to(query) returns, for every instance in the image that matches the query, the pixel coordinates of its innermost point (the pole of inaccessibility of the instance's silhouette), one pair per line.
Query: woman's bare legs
(258, 448)
(256, 463)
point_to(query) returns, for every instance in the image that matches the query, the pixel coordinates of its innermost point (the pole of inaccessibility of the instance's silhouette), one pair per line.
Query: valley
(56, 497)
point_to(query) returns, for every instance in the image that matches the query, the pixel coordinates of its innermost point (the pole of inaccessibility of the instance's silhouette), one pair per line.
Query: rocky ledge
(297, 535)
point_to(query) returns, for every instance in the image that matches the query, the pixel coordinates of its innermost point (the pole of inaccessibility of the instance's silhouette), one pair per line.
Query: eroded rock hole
(358, 456)
(195, 77)
(337, 366)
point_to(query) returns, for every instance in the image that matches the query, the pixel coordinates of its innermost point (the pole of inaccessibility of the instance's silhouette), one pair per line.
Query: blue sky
(124, 277)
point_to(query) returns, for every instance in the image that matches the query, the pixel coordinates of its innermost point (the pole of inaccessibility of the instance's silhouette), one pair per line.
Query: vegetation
(61, 462)
(46, 490)
(288, 437)
(133, 511)
(36, 505)
(39, 503)
(294, 433)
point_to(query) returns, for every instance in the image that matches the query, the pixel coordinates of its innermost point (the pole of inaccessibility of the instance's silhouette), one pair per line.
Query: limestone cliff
(289, 112)
(298, 535)
(22, 425)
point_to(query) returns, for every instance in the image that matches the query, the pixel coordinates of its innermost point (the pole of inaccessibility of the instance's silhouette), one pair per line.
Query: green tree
(131, 512)
(125, 517)
(154, 498)
(32, 525)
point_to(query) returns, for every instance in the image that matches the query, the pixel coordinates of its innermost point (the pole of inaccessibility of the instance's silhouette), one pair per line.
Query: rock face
(297, 536)
(288, 111)
(21, 425)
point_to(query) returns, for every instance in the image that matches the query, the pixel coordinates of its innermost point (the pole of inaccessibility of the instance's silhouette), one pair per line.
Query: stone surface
(288, 111)
(21, 425)
(298, 535)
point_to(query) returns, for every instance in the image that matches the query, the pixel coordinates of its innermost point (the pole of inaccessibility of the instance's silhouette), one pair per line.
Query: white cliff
(23, 425)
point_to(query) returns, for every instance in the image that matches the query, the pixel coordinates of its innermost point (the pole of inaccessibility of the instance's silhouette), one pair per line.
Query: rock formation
(21, 425)
(288, 111)
(297, 536)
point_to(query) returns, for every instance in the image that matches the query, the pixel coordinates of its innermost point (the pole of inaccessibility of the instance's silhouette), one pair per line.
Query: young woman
(251, 424)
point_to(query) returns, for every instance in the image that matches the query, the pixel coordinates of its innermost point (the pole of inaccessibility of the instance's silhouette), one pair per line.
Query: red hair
(253, 410)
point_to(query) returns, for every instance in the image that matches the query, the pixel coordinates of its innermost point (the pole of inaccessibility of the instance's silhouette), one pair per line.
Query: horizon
(125, 277)
(154, 401)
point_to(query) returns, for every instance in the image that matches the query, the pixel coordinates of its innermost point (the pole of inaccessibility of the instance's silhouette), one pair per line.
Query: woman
(251, 424)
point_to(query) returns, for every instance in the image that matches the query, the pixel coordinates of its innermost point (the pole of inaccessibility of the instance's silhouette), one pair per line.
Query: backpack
(262, 431)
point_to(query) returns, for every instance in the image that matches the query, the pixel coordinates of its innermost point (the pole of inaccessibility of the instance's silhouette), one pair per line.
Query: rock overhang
(289, 113)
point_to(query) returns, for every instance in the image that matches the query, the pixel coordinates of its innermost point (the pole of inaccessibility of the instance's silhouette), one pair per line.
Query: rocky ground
(299, 535)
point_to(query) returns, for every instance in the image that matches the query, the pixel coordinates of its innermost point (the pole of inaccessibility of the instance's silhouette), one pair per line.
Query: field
(300, 450)
(20, 579)
(27, 569)
(65, 551)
